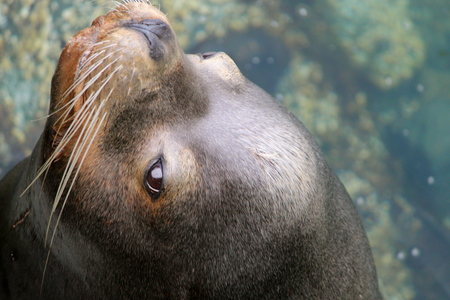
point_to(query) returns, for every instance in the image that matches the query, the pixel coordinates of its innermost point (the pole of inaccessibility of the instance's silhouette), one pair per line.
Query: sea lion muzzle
(156, 32)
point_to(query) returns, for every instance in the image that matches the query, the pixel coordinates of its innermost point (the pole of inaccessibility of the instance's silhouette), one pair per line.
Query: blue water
(370, 79)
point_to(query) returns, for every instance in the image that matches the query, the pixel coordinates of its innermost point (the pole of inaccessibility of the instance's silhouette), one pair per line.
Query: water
(370, 79)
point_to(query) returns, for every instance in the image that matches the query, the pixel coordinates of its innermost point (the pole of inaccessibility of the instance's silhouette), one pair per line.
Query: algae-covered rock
(32, 34)
(379, 37)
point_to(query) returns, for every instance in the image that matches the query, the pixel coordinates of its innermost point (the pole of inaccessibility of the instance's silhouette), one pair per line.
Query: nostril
(207, 55)
(153, 22)
(156, 26)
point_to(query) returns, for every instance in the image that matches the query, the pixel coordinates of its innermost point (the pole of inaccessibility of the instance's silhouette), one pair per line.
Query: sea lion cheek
(183, 172)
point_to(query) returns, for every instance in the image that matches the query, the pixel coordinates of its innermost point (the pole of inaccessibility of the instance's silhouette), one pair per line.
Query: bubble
(420, 88)
(388, 80)
(405, 132)
(279, 96)
(401, 255)
(415, 252)
(303, 12)
(360, 200)
(255, 60)
(430, 180)
(202, 19)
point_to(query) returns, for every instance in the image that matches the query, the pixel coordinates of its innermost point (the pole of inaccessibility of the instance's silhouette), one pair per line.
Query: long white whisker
(70, 166)
(70, 133)
(72, 128)
(79, 122)
(131, 79)
(99, 124)
(90, 59)
(78, 81)
(87, 86)
(93, 79)
(116, 5)
(78, 153)
(65, 178)
(87, 72)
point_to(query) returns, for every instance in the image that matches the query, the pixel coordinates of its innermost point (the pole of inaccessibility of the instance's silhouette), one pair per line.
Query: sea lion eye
(153, 180)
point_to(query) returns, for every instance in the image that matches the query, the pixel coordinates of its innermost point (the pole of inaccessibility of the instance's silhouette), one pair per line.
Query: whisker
(71, 186)
(79, 122)
(63, 118)
(92, 57)
(72, 87)
(116, 5)
(82, 127)
(105, 5)
(72, 163)
(80, 79)
(65, 177)
(85, 74)
(71, 131)
(131, 79)
(77, 155)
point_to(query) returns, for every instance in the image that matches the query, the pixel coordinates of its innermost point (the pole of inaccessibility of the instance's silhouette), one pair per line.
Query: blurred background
(370, 79)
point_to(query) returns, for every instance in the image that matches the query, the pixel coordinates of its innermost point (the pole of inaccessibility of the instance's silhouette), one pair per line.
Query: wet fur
(250, 208)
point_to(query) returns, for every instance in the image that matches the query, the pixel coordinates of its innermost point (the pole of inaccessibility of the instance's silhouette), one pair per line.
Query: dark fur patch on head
(177, 99)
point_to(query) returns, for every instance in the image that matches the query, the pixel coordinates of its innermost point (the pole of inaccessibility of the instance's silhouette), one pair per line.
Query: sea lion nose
(156, 32)
(156, 26)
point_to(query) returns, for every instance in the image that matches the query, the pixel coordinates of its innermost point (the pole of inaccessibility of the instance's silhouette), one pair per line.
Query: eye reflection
(154, 179)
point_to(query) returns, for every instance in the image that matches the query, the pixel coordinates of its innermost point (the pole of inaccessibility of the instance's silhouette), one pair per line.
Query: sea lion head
(125, 54)
(190, 179)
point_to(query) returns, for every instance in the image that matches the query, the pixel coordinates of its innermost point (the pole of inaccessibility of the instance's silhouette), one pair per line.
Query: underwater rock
(432, 21)
(32, 34)
(378, 36)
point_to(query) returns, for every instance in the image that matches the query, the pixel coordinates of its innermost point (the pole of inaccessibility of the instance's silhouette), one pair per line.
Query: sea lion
(161, 175)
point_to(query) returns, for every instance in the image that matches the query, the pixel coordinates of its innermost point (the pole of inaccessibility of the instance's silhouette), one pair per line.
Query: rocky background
(370, 79)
